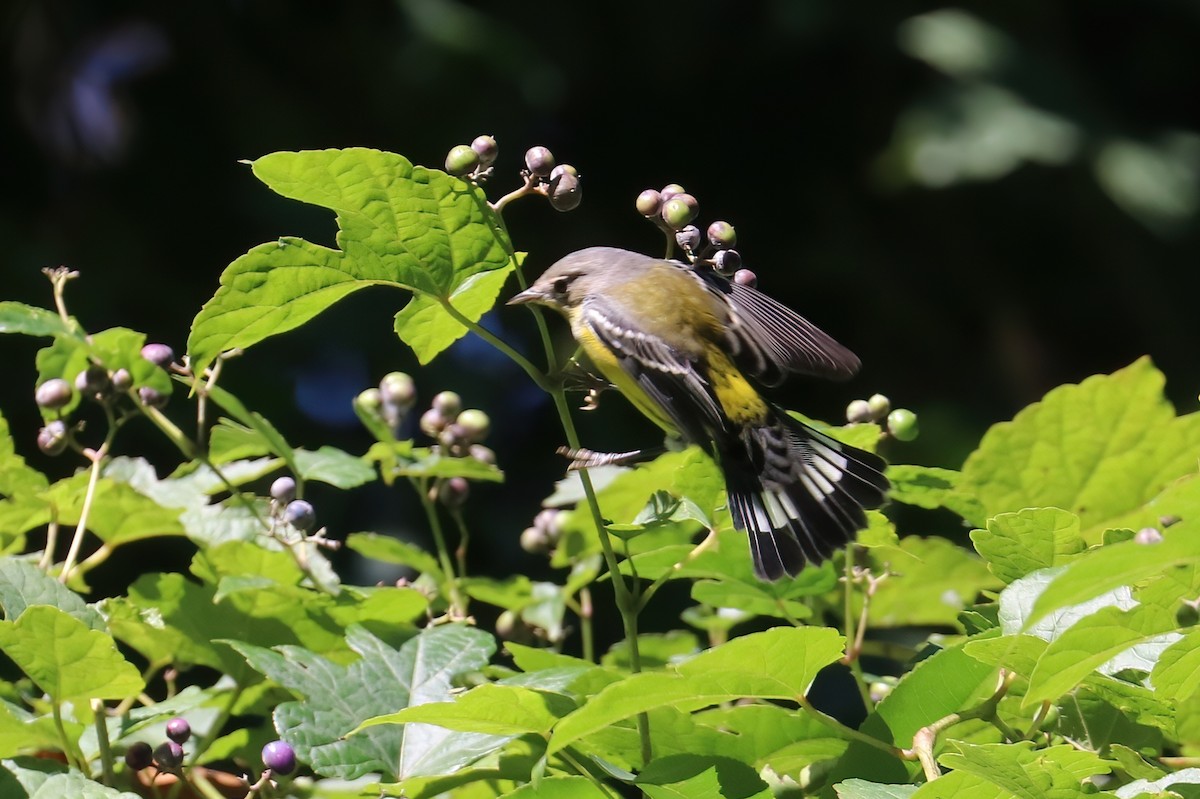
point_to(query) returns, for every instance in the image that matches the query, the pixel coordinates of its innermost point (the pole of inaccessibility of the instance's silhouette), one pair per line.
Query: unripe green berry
(52, 439)
(398, 388)
(727, 262)
(168, 755)
(178, 730)
(369, 400)
(122, 381)
(160, 355)
(283, 490)
(539, 161)
(510, 627)
(880, 406)
(453, 492)
(859, 411)
(461, 160)
(432, 423)
(299, 514)
(565, 192)
(677, 213)
(902, 424)
(447, 403)
(722, 235)
(688, 238)
(744, 277)
(486, 148)
(139, 755)
(53, 394)
(279, 757)
(649, 203)
(475, 425)
(671, 190)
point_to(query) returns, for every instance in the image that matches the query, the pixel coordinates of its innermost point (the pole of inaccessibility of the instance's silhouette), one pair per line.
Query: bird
(694, 352)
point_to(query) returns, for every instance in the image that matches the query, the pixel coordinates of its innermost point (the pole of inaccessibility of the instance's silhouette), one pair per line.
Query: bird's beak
(531, 294)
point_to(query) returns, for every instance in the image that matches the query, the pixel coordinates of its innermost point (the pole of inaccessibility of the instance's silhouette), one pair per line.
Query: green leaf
(1116, 443)
(691, 776)
(398, 225)
(29, 320)
(1055, 772)
(77, 786)
(932, 487)
(777, 664)
(119, 513)
(1015, 544)
(861, 789)
(22, 585)
(390, 549)
(268, 437)
(333, 466)
(558, 788)
(16, 478)
(933, 580)
(66, 658)
(493, 709)
(1176, 675)
(337, 699)
(1168, 785)
(656, 650)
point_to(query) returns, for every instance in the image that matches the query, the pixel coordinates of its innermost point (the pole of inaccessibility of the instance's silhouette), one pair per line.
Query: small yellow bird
(690, 350)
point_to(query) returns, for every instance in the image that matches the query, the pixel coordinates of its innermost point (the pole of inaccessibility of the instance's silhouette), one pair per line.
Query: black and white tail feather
(803, 495)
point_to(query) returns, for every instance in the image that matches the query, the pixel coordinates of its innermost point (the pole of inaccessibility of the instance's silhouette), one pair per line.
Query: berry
(859, 411)
(53, 394)
(510, 627)
(1187, 615)
(369, 400)
(178, 730)
(744, 277)
(565, 192)
(52, 439)
(535, 541)
(168, 755)
(677, 213)
(152, 397)
(283, 489)
(454, 492)
(880, 406)
(671, 190)
(1148, 535)
(902, 424)
(92, 381)
(482, 454)
(158, 354)
(279, 757)
(688, 238)
(649, 203)
(475, 425)
(563, 169)
(432, 423)
(122, 381)
(453, 438)
(539, 161)
(486, 148)
(139, 755)
(398, 388)
(722, 235)
(461, 160)
(299, 514)
(727, 261)
(447, 403)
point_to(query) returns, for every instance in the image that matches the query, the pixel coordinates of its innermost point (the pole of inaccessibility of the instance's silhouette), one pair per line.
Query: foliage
(1058, 655)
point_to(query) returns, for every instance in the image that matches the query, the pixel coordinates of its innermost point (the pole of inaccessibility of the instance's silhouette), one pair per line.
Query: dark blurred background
(984, 201)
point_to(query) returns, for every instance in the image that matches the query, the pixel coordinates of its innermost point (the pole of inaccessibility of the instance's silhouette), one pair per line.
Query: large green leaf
(1099, 449)
(399, 225)
(23, 585)
(29, 320)
(1015, 544)
(1176, 676)
(16, 478)
(490, 708)
(1056, 772)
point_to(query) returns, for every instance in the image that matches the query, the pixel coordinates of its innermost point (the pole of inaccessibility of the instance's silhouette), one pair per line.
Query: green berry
(283, 490)
(139, 755)
(859, 411)
(880, 406)
(52, 439)
(370, 401)
(447, 403)
(677, 213)
(722, 235)
(398, 388)
(486, 148)
(539, 161)
(475, 425)
(53, 394)
(299, 514)
(279, 757)
(649, 203)
(461, 160)
(902, 424)
(565, 192)
(1187, 615)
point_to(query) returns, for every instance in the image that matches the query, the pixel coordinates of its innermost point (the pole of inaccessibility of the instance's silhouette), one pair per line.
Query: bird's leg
(586, 459)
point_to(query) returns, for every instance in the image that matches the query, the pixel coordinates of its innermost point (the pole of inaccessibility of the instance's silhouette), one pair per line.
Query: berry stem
(491, 338)
(458, 607)
(847, 732)
(464, 539)
(97, 458)
(585, 624)
(100, 714)
(47, 559)
(531, 180)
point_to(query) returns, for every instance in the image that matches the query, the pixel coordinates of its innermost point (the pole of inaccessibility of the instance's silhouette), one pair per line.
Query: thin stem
(97, 458)
(516, 194)
(457, 605)
(99, 712)
(214, 730)
(520, 360)
(464, 539)
(847, 732)
(585, 624)
(566, 755)
(47, 559)
(59, 277)
(68, 751)
(709, 542)
(925, 739)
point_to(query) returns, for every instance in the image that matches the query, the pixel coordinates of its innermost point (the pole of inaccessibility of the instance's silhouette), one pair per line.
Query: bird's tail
(798, 493)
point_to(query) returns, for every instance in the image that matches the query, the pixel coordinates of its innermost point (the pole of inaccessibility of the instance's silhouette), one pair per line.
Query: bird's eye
(560, 285)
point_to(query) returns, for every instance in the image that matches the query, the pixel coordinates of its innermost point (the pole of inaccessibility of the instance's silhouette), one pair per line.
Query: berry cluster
(100, 385)
(542, 536)
(673, 210)
(559, 183)
(168, 755)
(901, 423)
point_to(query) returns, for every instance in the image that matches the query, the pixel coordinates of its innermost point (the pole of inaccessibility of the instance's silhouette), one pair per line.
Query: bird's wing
(769, 340)
(669, 378)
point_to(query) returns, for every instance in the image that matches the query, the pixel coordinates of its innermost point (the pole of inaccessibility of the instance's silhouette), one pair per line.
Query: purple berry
(158, 354)
(688, 239)
(139, 755)
(398, 388)
(178, 730)
(299, 514)
(565, 192)
(671, 190)
(92, 381)
(727, 262)
(447, 403)
(168, 755)
(486, 148)
(53, 394)
(279, 757)
(152, 397)
(52, 439)
(122, 381)
(454, 491)
(539, 161)
(745, 277)
(283, 489)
